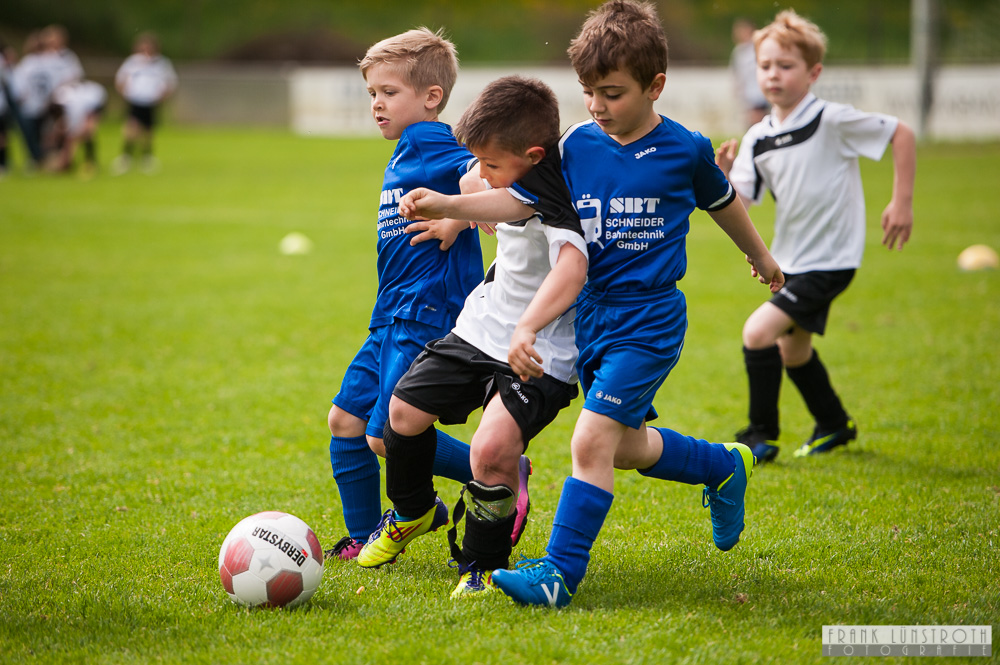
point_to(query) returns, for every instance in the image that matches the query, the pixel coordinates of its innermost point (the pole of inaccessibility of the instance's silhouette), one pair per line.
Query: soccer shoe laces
(387, 524)
(710, 496)
(535, 569)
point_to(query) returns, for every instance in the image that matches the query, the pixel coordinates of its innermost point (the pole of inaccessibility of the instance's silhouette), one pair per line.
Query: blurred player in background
(8, 107)
(31, 90)
(806, 152)
(146, 79)
(76, 109)
(743, 70)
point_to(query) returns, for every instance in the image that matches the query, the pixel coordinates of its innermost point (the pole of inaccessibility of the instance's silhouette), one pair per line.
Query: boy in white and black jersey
(806, 153)
(146, 79)
(512, 128)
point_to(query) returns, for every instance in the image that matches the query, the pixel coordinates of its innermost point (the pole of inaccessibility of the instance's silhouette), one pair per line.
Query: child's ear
(656, 87)
(435, 94)
(535, 154)
(815, 72)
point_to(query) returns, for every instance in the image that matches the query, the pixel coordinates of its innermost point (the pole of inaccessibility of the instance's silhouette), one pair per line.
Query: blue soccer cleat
(534, 582)
(726, 501)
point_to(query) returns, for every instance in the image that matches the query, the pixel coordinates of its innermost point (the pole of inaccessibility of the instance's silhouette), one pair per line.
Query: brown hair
(515, 112)
(620, 34)
(791, 30)
(423, 58)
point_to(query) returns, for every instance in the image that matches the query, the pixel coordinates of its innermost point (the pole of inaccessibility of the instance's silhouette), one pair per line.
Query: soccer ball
(271, 559)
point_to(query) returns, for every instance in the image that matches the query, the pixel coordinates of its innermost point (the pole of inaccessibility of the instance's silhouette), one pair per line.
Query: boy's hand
(725, 155)
(423, 203)
(897, 223)
(523, 358)
(486, 227)
(445, 230)
(767, 273)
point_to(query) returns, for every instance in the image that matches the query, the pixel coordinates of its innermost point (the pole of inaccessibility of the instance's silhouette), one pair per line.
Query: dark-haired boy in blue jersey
(421, 287)
(635, 177)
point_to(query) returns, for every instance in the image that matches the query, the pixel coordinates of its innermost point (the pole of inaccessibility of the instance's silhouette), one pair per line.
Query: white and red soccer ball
(271, 559)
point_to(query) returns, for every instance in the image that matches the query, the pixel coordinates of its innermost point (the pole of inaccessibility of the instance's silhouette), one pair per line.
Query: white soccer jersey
(79, 99)
(31, 85)
(145, 80)
(810, 165)
(526, 253)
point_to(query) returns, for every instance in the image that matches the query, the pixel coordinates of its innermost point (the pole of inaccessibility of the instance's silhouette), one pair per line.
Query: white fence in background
(967, 102)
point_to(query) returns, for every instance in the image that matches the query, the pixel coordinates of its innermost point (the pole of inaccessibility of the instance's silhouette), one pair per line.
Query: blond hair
(792, 31)
(423, 58)
(620, 34)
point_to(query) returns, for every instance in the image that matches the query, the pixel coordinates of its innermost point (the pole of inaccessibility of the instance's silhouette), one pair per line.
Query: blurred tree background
(537, 31)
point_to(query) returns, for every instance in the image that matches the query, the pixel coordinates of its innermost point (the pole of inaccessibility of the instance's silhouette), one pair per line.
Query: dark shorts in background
(144, 115)
(451, 378)
(806, 297)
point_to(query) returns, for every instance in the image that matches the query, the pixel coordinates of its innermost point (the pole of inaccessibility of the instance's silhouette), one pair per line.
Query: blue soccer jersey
(422, 283)
(634, 201)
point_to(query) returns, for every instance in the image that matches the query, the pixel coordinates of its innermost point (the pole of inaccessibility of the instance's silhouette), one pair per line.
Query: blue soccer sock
(356, 470)
(451, 459)
(579, 518)
(686, 459)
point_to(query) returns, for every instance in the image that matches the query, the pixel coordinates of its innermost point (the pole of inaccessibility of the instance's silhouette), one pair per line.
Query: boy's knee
(494, 457)
(407, 419)
(343, 424)
(756, 336)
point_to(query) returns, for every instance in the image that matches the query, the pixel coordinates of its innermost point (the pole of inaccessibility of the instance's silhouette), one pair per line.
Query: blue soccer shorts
(628, 343)
(384, 357)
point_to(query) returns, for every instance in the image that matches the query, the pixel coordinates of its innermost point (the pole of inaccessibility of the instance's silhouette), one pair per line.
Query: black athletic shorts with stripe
(452, 378)
(806, 297)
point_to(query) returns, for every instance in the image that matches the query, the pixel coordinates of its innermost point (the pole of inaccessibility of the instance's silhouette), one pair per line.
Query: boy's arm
(494, 205)
(897, 218)
(446, 230)
(557, 294)
(725, 156)
(734, 220)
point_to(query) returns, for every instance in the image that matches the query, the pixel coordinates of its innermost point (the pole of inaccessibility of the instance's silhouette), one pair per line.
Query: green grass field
(165, 371)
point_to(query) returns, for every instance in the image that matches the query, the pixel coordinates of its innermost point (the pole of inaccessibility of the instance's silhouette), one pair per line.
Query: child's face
(783, 75)
(502, 168)
(395, 103)
(620, 105)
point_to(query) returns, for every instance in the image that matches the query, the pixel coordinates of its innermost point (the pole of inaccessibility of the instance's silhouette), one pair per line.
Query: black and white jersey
(526, 253)
(809, 163)
(145, 80)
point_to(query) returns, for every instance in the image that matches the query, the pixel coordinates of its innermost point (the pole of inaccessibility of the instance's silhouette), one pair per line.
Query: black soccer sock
(487, 526)
(3, 157)
(409, 471)
(822, 401)
(90, 151)
(127, 148)
(764, 377)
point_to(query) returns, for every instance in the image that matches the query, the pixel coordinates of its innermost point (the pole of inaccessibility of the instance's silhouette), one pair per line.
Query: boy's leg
(583, 506)
(724, 469)
(452, 459)
(492, 500)
(409, 480)
(764, 368)
(833, 426)
(356, 472)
